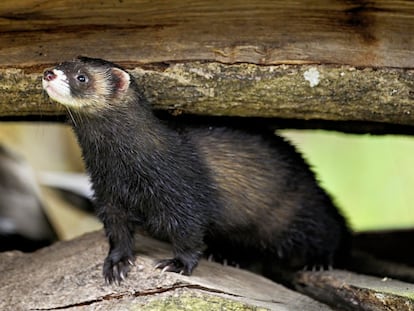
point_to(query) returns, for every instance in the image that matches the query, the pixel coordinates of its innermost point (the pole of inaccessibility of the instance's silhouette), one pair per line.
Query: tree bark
(305, 60)
(307, 92)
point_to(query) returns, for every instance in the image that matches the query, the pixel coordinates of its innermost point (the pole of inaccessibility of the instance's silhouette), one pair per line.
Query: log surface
(68, 275)
(350, 291)
(307, 60)
(359, 33)
(307, 92)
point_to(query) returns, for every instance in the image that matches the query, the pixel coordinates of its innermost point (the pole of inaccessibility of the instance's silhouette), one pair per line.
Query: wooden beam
(256, 59)
(324, 92)
(359, 33)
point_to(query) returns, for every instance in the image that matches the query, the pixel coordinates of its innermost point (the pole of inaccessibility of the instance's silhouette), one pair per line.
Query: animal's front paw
(116, 267)
(174, 265)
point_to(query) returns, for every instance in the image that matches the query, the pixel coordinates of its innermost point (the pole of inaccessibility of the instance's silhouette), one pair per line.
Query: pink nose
(48, 75)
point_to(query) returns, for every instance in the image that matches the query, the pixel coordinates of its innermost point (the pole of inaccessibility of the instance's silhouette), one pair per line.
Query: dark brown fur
(247, 196)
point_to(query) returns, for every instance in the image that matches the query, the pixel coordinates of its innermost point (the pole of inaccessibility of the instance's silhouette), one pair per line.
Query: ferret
(202, 187)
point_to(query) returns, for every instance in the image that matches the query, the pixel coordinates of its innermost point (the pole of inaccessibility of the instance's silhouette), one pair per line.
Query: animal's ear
(122, 79)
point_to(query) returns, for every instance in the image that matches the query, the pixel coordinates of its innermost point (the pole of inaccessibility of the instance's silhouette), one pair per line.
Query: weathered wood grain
(359, 33)
(68, 276)
(350, 291)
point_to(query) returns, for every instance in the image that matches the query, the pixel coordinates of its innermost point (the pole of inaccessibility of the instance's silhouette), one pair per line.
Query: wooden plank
(358, 33)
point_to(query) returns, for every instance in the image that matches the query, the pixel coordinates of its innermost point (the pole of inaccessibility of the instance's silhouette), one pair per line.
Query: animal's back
(271, 202)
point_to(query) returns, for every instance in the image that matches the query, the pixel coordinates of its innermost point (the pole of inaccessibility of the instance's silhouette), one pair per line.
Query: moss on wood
(336, 93)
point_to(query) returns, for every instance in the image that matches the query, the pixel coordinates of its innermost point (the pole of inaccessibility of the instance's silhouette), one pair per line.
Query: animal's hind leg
(188, 248)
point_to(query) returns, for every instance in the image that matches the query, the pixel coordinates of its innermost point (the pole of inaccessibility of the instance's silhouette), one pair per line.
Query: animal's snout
(49, 75)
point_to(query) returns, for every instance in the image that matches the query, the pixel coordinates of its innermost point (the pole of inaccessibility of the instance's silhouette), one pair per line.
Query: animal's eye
(82, 78)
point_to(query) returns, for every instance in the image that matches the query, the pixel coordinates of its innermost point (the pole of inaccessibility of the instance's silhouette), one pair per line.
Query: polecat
(196, 186)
